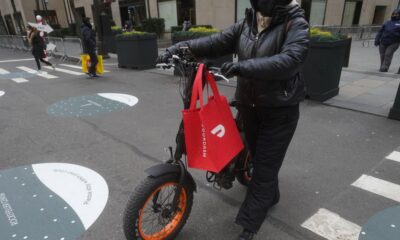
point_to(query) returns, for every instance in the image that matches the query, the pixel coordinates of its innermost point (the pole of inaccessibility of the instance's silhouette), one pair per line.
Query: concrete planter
(395, 110)
(137, 52)
(323, 68)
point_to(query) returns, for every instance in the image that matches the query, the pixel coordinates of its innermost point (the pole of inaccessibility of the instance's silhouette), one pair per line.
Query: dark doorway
(352, 12)
(10, 24)
(133, 10)
(379, 15)
(186, 9)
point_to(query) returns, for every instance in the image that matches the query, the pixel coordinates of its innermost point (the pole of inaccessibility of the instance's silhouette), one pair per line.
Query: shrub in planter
(154, 25)
(137, 49)
(198, 32)
(179, 28)
(323, 66)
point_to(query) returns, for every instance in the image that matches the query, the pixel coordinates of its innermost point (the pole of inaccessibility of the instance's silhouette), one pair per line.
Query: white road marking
(66, 71)
(378, 186)
(17, 60)
(76, 67)
(3, 71)
(331, 226)
(122, 98)
(395, 156)
(20, 80)
(2, 93)
(32, 71)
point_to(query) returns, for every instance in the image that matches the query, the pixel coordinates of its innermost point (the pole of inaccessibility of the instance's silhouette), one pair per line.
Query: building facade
(15, 14)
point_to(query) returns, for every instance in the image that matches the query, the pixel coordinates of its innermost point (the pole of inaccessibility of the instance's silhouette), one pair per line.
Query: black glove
(377, 43)
(164, 57)
(230, 69)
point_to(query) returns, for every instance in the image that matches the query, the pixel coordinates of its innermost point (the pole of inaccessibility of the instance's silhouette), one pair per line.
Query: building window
(167, 9)
(186, 10)
(241, 6)
(315, 11)
(379, 15)
(352, 12)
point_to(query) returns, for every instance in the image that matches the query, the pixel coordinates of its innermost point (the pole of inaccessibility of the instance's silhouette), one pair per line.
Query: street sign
(41, 27)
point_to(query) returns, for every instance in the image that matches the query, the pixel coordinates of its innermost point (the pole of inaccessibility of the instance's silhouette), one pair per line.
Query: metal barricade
(73, 48)
(367, 32)
(56, 48)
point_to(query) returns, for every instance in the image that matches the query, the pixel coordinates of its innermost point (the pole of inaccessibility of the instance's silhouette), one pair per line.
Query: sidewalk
(362, 87)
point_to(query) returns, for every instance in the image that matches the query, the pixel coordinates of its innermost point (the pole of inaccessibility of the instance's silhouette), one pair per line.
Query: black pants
(269, 132)
(38, 60)
(387, 53)
(93, 62)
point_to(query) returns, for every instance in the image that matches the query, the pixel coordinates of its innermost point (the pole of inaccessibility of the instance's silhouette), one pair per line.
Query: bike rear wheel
(245, 164)
(149, 214)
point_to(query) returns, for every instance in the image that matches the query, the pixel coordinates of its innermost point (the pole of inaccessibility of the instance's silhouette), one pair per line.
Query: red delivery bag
(211, 135)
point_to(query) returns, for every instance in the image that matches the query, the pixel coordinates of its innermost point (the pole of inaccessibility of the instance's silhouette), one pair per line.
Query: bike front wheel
(149, 214)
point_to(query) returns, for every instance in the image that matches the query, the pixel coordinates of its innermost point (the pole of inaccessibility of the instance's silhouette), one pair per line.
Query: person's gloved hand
(230, 69)
(377, 43)
(164, 57)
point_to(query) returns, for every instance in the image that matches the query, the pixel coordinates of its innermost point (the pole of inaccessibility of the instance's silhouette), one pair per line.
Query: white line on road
(395, 156)
(20, 80)
(32, 71)
(66, 71)
(76, 67)
(331, 226)
(2, 93)
(3, 71)
(378, 186)
(17, 60)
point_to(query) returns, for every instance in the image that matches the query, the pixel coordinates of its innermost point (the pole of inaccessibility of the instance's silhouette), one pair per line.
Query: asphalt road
(332, 148)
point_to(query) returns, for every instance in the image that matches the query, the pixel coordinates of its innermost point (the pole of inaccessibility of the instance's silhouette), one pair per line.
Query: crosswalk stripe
(17, 60)
(3, 71)
(66, 71)
(394, 156)
(331, 226)
(378, 186)
(32, 71)
(77, 67)
(20, 80)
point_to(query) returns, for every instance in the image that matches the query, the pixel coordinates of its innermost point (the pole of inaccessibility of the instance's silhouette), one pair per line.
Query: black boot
(246, 235)
(276, 198)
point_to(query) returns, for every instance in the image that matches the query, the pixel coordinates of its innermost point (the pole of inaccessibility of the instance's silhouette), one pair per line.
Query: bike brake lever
(220, 76)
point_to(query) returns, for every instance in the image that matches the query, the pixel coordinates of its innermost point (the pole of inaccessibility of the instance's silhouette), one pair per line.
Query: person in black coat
(89, 45)
(272, 44)
(38, 48)
(388, 40)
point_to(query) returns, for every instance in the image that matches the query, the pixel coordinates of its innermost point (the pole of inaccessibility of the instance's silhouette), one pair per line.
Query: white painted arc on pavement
(378, 186)
(20, 80)
(66, 71)
(32, 71)
(394, 156)
(2, 93)
(76, 67)
(331, 226)
(3, 71)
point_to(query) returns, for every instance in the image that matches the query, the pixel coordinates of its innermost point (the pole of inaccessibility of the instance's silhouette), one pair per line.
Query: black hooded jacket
(88, 38)
(269, 61)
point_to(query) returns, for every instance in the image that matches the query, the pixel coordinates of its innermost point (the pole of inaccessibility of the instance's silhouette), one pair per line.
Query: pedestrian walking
(186, 24)
(38, 48)
(89, 45)
(388, 40)
(272, 43)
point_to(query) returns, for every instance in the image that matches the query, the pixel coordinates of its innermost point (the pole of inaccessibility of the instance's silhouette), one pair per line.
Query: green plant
(179, 28)
(194, 32)
(116, 30)
(325, 36)
(154, 25)
(136, 35)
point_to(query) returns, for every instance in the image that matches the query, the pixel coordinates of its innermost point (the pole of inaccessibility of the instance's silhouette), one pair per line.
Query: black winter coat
(269, 62)
(38, 46)
(88, 38)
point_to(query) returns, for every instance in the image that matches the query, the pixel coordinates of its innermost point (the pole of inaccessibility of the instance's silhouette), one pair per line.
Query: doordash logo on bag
(219, 131)
(204, 141)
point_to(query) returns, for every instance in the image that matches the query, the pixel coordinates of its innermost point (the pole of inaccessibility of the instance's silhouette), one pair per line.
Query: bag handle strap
(197, 91)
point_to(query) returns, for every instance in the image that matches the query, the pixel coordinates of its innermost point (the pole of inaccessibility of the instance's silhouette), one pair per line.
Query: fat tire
(241, 175)
(139, 197)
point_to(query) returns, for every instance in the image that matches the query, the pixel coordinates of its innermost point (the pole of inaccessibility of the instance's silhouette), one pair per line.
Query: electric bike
(161, 204)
